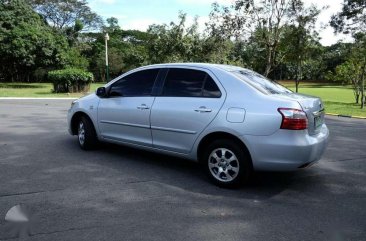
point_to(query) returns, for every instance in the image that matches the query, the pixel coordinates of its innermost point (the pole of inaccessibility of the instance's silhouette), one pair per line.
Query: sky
(139, 14)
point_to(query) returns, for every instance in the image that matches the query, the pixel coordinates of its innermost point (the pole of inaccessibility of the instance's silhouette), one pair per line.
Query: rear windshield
(261, 83)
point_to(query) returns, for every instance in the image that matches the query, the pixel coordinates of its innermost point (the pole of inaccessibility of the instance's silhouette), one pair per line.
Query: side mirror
(101, 92)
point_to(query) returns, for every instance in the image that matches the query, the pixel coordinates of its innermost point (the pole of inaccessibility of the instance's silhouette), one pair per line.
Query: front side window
(136, 84)
(189, 83)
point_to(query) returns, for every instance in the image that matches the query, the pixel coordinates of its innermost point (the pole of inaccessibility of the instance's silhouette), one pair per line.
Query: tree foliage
(300, 39)
(353, 69)
(274, 37)
(126, 49)
(260, 20)
(178, 42)
(27, 42)
(349, 72)
(352, 18)
(174, 42)
(61, 14)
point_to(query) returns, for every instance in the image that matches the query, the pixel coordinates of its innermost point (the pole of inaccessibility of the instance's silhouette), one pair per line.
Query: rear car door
(125, 114)
(189, 100)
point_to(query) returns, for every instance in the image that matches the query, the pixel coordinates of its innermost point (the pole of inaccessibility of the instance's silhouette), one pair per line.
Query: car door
(190, 99)
(125, 114)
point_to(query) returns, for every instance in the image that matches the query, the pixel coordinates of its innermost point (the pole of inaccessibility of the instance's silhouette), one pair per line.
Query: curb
(74, 98)
(40, 98)
(347, 116)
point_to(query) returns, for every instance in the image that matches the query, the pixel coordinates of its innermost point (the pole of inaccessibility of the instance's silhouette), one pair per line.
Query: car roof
(228, 68)
(209, 66)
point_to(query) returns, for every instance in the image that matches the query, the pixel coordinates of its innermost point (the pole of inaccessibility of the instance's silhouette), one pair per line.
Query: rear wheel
(226, 163)
(87, 136)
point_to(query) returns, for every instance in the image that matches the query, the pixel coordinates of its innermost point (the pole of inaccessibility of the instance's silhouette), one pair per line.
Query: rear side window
(261, 83)
(136, 84)
(190, 83)
(210, 88)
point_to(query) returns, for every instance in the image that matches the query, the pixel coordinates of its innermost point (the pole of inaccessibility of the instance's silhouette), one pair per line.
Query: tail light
(293, 119)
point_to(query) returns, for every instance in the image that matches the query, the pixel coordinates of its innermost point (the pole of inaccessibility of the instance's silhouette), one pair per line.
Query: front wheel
(227, 164)
(87, 137)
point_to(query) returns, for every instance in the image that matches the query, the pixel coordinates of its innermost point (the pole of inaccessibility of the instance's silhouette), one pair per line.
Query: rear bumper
(286, 150)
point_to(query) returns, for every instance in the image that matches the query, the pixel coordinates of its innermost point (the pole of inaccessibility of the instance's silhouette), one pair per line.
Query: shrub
(70, 80)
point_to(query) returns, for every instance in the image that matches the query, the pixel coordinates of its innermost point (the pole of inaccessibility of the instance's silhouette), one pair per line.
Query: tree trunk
(362, 98)
(269, 62)
(356, 90)
(298, 76)
(297, 85)
(363, 85)
(362, 91)
(281, 73)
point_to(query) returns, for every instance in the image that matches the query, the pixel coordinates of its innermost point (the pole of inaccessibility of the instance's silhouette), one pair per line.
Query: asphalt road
(117, 193)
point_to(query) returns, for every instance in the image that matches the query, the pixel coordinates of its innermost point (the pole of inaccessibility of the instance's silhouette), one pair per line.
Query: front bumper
(286, 150)
(69, 116)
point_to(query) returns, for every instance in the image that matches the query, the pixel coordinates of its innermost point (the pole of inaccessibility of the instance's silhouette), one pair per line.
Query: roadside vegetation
(338, 99)
(39, 90)
(275, 38)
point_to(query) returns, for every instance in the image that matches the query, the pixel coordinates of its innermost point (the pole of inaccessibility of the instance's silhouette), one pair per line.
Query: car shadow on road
(188, 175)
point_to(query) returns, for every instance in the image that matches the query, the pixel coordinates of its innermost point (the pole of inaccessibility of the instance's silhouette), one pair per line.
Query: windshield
(261, 83)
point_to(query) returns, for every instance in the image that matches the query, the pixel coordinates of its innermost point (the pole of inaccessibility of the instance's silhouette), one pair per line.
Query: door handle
(203, 109)
(143, 107)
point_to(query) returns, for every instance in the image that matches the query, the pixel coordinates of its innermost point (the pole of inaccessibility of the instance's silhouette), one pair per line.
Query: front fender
(87, 105)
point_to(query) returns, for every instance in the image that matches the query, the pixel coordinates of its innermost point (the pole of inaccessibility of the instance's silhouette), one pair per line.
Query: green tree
(171, 43)
(127, 49)
(333, 56)
(352, 17)
(61, 14)
(252, 52)
(72, 33)
(178, 42)
(113, 25)
(349, 72)
(359, 54)
(299, 38)
(353, 69)
(27, 42)
(74, 59)
(352, 20)
(260, 20)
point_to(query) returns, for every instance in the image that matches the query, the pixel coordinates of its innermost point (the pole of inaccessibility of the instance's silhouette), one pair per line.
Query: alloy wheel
(223, 165)
(81, 133)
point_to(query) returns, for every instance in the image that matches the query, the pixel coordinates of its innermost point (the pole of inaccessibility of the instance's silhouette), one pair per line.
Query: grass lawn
(37, 90)
(337, 99)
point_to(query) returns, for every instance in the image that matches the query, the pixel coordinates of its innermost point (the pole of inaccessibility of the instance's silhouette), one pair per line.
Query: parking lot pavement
(117, 193)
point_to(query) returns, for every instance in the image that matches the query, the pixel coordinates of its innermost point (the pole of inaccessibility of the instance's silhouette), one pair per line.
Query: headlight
(72, 104)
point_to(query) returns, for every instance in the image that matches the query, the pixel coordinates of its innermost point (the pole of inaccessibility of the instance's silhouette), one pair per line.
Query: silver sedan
(230, 119)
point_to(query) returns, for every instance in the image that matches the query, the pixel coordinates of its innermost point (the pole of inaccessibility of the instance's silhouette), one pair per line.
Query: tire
(87, 136)
(226, 163)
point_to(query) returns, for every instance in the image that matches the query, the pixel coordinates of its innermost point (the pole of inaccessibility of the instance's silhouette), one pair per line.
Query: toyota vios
(230, 119)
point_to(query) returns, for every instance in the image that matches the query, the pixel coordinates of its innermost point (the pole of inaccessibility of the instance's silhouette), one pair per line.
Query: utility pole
(106, 37)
